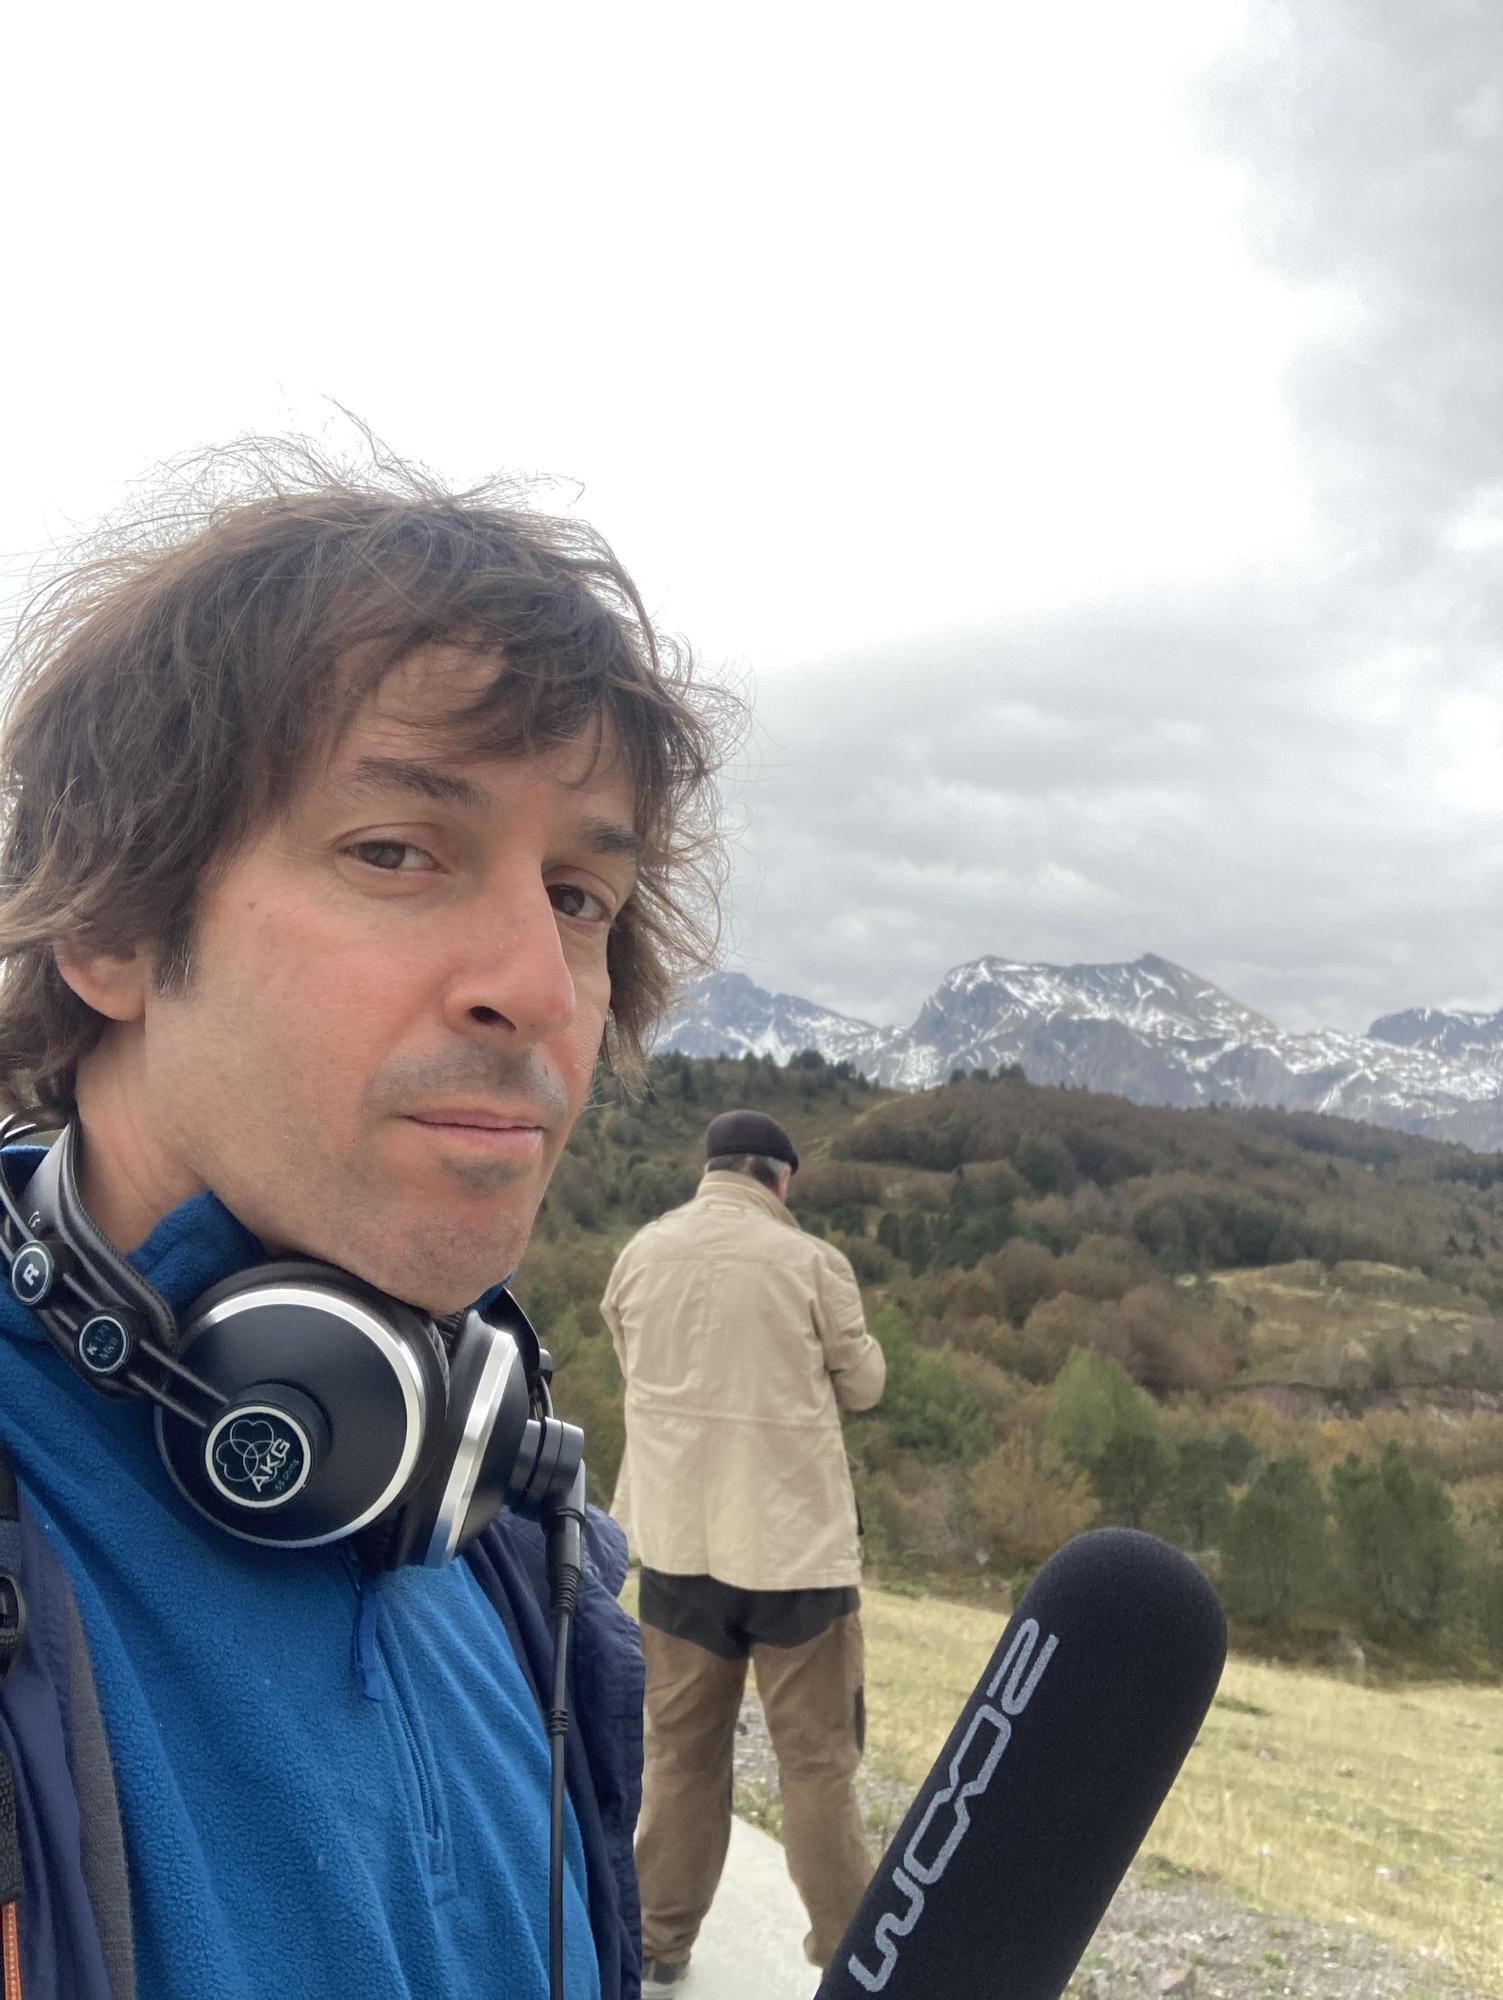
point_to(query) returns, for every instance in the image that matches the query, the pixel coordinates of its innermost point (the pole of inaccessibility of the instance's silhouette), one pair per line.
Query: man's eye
(572, 901)
(393, 857)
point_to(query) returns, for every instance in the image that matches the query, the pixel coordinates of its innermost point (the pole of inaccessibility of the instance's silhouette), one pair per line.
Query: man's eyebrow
(403, 774)
(609, 836)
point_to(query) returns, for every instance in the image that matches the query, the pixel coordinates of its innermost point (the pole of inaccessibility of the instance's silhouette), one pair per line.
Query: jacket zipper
(10, 1952)
(420, 1772)
(12, 1633)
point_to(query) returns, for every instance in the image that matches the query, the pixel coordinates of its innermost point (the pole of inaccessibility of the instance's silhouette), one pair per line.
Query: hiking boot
(658, 1976)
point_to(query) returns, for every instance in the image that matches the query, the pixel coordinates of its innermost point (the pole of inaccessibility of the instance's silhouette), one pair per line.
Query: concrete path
(752, 1944)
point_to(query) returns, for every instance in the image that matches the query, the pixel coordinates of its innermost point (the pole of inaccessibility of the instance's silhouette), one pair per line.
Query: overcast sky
(1080, 429)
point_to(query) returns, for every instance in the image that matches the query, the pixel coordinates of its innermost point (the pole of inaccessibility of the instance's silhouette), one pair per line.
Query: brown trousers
(811, 1697)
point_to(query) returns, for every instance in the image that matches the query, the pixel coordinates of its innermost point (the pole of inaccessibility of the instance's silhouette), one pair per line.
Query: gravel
(1169, 1934)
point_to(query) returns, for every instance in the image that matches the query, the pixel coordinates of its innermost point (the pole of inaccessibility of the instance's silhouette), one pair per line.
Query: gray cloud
(1292, 782)
(1262, 826)
(1373, 131)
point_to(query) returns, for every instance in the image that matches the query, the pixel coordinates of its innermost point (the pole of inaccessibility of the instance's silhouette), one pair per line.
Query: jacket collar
(743, 1188)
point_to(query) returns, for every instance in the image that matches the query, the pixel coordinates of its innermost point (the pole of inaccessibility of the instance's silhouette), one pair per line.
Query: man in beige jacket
(741, 1339)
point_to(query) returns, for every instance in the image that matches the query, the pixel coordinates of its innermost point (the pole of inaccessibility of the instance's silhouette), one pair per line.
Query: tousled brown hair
(170, 693)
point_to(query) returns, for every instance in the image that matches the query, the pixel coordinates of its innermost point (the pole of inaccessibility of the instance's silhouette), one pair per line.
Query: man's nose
(511, 974)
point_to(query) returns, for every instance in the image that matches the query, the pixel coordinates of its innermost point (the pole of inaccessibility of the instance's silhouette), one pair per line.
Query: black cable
(558, 1726)
(565, 1532)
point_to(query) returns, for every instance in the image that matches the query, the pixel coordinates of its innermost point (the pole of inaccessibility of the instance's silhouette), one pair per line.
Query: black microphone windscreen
(1019, 1836)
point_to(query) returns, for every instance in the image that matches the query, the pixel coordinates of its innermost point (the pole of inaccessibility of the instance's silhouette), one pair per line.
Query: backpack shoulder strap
(61, 1843)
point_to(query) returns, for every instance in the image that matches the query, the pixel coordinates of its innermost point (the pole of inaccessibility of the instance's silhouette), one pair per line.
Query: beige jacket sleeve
(612, 1319)
(856, 1365)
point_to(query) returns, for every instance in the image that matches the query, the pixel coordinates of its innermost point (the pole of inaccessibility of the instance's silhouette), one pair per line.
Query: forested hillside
(1269, 1336)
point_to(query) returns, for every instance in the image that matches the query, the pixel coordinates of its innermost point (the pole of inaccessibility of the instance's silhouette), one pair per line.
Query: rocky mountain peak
(1146, 1028)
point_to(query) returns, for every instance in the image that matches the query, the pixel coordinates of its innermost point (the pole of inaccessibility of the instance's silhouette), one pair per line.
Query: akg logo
(253, 1452)
(970, 1770)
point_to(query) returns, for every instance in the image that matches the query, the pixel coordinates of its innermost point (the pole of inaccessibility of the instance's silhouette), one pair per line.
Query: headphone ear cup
(484, 1441)
(335, 1398)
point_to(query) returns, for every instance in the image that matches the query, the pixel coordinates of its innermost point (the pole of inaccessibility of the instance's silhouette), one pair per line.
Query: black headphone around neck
(295, 1404)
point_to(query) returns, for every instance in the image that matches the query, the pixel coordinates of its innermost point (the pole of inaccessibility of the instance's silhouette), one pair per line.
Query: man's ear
(112, 983)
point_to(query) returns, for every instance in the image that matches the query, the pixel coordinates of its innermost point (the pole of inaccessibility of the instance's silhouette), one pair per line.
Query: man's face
(396, 1001)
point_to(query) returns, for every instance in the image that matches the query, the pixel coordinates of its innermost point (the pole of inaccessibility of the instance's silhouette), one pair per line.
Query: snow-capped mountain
(725, 1014)
(1465, 1037)
(1148, 1030)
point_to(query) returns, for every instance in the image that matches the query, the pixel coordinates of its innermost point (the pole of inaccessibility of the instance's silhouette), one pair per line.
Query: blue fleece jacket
(325, 1790)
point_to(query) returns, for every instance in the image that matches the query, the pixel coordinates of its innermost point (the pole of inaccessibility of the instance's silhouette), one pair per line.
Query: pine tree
(1196, 1505)
(915, 1241)
(1399, 1554)
(1276, 1561)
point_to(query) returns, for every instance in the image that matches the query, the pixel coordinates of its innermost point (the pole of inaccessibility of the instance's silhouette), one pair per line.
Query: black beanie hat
(749, 1132)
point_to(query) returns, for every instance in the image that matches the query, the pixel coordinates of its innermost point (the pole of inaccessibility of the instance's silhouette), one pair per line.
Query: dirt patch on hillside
(1167, 1932)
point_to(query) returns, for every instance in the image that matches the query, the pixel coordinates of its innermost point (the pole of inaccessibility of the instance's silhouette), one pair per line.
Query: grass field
(1306, 1793)
(1327, 1327)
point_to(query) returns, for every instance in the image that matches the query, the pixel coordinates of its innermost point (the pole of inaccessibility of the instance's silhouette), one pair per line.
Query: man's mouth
(517, 1134)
